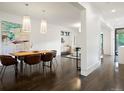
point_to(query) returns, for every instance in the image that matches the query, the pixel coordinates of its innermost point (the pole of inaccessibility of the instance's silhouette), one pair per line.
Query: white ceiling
(65, 14)
(60, 13)
(115, 19)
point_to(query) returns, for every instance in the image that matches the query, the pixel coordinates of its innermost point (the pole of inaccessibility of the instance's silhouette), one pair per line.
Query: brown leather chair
(7, 60)
(32, 59)
(47, 57)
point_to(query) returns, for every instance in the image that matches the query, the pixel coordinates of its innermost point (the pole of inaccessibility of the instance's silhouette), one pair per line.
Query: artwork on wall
(12, 36)
(62, 40)
(65, 33)
(62, 33)
(10, 31)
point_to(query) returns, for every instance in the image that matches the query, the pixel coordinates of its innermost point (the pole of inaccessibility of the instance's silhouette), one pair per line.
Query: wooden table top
(25, 53)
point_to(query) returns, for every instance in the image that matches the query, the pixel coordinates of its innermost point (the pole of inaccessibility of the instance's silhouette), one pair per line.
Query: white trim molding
(90, 69)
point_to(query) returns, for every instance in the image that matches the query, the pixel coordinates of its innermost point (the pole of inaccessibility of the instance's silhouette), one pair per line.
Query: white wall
(113, 42)
(90, 58)
(50, 40)
(69, 40)
(78, 38)
(117, 23)
(106, 41)
(90, 42)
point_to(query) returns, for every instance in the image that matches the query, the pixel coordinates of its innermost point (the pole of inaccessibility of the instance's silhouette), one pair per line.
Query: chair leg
(43, 64)
(16, 70)
(50, 65)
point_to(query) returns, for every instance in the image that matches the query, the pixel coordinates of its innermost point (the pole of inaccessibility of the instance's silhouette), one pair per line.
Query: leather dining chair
(47, 57)
(6, 61)
(32, 59)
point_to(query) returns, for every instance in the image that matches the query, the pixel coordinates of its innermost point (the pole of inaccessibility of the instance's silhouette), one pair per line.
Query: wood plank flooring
(65, 77)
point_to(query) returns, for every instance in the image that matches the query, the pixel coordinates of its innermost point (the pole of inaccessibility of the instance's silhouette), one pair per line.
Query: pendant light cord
(27, 9)
(44, 14)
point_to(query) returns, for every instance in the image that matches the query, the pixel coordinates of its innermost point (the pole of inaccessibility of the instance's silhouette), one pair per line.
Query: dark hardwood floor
(65, 77)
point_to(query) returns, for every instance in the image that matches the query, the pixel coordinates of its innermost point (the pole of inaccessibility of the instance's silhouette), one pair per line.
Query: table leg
(50, 65)
(16, 68)
(21, 65)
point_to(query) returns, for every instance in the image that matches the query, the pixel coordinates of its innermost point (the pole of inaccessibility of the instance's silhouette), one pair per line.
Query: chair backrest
(47, 57)
(7, 60)
(32, 59)
(54, 53)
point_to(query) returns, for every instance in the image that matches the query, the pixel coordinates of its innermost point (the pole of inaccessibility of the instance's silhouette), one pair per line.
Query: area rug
(72, 56)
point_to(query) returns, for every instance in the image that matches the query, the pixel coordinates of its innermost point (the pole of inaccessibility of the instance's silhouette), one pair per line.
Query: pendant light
(43, 28)
(26, 25)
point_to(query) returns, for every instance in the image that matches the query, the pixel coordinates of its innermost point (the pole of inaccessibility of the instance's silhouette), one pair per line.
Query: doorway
(119, 41)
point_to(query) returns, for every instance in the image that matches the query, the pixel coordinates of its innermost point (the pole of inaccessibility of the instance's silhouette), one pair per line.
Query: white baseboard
(90, 69)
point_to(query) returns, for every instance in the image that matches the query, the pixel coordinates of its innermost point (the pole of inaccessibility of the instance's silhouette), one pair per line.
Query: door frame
(102, 49)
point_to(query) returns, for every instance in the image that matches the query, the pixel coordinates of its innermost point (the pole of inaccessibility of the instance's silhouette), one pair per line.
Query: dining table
(21, 54)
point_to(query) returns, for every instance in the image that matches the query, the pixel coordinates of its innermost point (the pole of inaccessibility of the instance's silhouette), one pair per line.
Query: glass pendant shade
(43, 28)
(26, 26)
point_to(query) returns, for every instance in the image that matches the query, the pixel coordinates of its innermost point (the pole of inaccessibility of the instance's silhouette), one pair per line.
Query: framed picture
(62, 33)
(10, 31)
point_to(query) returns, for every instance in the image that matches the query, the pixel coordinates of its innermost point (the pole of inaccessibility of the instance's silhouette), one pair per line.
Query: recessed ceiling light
(113, 10)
